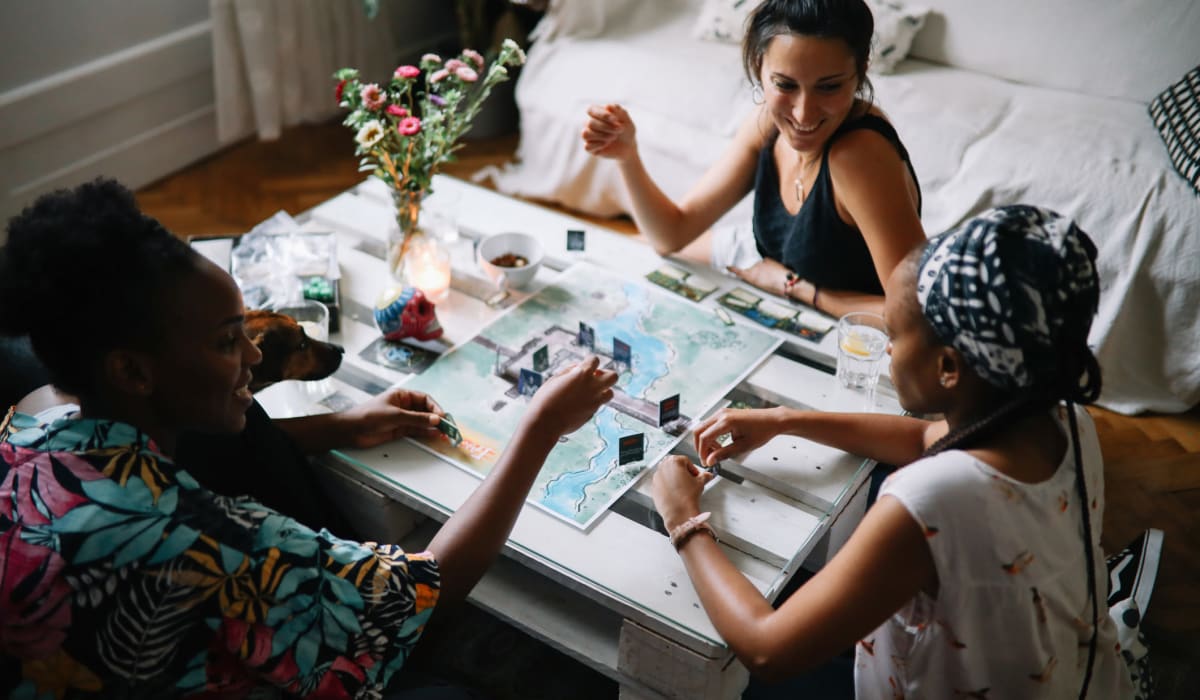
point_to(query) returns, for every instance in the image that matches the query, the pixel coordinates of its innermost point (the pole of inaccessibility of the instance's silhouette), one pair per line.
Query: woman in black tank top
(836, 203)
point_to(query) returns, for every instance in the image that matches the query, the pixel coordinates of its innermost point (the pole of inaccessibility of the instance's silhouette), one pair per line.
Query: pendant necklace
(799, 181)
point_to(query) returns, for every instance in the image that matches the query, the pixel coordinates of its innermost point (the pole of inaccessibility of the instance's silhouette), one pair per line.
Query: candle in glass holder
(427, 268)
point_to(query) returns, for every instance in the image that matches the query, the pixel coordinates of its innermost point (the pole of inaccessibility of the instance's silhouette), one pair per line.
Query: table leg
(657, 668)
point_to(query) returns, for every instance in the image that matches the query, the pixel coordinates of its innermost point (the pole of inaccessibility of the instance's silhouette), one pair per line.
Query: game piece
(622, 354)
(631, 448)
(587, 336)
(447, 427)
(541, 359)
(497, 298)
(723, 315)
(668, 410)
(682, 282)
(575, 239)
(528, 382)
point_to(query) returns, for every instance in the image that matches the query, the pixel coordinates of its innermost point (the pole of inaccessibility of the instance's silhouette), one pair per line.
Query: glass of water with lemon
(861, 344)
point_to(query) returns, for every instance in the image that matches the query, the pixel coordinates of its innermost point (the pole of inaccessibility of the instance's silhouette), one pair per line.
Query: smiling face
(199, 374)
(809, 86)
(912, 344)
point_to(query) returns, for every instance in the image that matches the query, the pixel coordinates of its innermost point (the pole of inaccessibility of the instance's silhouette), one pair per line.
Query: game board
(677, 347)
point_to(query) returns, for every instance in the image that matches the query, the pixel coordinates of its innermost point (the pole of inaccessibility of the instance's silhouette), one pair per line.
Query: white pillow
(723, 20)
(895, 26)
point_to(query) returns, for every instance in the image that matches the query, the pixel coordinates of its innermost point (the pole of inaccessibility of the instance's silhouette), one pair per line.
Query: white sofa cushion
(896, 25)
(1105, 48)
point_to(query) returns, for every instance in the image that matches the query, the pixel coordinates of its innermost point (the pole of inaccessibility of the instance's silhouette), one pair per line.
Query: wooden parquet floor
(1152, 463)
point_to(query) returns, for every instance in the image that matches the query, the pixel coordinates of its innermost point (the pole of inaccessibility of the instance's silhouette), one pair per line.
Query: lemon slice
(856, 345)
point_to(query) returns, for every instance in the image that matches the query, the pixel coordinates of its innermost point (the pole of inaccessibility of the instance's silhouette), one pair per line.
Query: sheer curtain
(273, 60)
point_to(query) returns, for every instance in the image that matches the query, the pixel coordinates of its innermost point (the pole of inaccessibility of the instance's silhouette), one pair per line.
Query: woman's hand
(570, 398)
(677, 487)
(393, 414)
(766, 274)
(609, 133)
(748, 428)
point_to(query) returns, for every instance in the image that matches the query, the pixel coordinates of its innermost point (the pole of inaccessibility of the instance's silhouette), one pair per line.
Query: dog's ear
(257, 322)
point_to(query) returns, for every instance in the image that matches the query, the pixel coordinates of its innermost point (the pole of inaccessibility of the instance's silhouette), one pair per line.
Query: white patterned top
(1010, 617)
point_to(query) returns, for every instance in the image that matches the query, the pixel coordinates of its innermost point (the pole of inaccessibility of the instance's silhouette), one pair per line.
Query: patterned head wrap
(1012, 290)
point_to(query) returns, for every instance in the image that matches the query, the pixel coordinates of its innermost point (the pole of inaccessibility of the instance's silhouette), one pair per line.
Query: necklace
(799, 181)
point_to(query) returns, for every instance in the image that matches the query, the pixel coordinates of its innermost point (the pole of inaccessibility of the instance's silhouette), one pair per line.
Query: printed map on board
(678, 348)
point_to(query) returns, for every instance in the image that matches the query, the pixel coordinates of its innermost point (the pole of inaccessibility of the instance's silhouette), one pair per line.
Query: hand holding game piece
(393, 414)
(677, 487)
(447, 427)
(571, 397)
(748, 427)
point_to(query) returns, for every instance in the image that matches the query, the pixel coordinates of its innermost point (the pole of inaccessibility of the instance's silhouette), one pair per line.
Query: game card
(682, 282)
(400, 357)
(806, 324)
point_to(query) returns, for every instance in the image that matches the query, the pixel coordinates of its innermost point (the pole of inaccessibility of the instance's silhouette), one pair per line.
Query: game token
(447, 427)
(587, 336)
(723, 315)
(631, 448)
(575, 239)
(622, 353)
(668, 410)
(541, 359)
(528, 382)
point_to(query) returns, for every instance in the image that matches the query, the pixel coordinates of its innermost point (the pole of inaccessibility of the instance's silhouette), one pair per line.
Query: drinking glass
(861, 344)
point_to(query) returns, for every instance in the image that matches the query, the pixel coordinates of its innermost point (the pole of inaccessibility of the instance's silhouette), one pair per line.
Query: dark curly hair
(848, 20)
(84, 272)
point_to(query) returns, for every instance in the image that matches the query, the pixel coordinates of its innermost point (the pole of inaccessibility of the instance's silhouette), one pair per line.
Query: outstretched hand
(766, 274)
(609, 132)
(393, 414)
(571, 397)
(747, 429)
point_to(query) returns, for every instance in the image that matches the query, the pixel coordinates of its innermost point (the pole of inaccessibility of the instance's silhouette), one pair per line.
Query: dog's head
(288, 352)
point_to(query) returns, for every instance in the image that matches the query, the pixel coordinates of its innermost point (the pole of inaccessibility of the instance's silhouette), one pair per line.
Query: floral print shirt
(120, 576)
(1011, 615)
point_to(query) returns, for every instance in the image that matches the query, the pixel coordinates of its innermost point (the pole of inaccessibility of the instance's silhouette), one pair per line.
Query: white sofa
(1003, 102)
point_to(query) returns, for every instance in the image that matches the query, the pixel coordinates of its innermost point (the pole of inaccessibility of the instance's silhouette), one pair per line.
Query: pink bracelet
(689, 527)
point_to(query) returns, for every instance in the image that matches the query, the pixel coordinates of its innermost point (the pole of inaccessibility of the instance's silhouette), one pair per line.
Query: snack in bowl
(511, 260)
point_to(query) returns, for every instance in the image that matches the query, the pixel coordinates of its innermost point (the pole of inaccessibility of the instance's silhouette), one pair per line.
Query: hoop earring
(756, 94)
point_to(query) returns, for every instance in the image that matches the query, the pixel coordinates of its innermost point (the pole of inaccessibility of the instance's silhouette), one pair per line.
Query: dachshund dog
(288, 352)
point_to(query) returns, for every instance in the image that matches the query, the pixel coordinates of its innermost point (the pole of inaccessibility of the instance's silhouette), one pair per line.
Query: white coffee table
(616, 596)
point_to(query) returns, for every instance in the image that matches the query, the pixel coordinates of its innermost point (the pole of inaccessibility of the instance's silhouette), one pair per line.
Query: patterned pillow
(1176, 113)
(895, 27)
(723, 20)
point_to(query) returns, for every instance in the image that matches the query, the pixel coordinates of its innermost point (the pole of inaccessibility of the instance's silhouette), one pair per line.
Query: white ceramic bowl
(521, 244)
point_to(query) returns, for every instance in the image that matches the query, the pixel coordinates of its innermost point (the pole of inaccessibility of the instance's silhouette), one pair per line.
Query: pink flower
(439, 76)
(454, 64)
(466, 74)
(397, 111)
(474, 56)
(337, 94)
(407, 72)
(372, 96)
(431, 58)
(409, 126)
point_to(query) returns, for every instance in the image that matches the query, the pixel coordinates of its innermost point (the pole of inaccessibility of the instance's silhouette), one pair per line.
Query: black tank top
(815, 243)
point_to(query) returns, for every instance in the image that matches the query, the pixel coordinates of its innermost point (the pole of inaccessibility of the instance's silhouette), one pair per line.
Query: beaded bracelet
(689, 527)
(816, 294)
(790, 281)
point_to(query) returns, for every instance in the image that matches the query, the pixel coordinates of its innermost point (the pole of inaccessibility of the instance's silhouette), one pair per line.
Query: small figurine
(404, 312)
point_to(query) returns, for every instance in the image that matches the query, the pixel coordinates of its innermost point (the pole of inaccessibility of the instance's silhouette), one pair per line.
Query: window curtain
(273, 60)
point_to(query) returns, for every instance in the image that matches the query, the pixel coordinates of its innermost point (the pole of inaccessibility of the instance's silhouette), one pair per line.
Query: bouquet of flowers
(409, 127)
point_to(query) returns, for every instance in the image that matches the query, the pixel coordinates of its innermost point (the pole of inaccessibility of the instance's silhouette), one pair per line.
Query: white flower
(510, 45)
(369, 134)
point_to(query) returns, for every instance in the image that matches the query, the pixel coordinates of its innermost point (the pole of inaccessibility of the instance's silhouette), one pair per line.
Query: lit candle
(428, 269)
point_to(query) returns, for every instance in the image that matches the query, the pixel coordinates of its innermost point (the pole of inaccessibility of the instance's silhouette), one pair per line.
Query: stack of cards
(448, 428)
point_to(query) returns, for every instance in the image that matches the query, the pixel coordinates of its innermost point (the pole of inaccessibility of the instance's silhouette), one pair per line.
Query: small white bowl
(521, 244)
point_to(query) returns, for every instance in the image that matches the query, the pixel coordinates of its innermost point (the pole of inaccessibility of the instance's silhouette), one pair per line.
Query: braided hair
(83, 272)
(1014, 290)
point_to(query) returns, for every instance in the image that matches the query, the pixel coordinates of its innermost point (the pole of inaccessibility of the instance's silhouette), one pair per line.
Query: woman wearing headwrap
(977, 573)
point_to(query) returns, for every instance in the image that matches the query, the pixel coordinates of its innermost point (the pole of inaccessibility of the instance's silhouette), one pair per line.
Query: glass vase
(416, 255)
(407, 229)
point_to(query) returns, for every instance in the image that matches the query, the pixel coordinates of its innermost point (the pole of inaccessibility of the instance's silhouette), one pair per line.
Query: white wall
(122, 88)
(90, 87)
